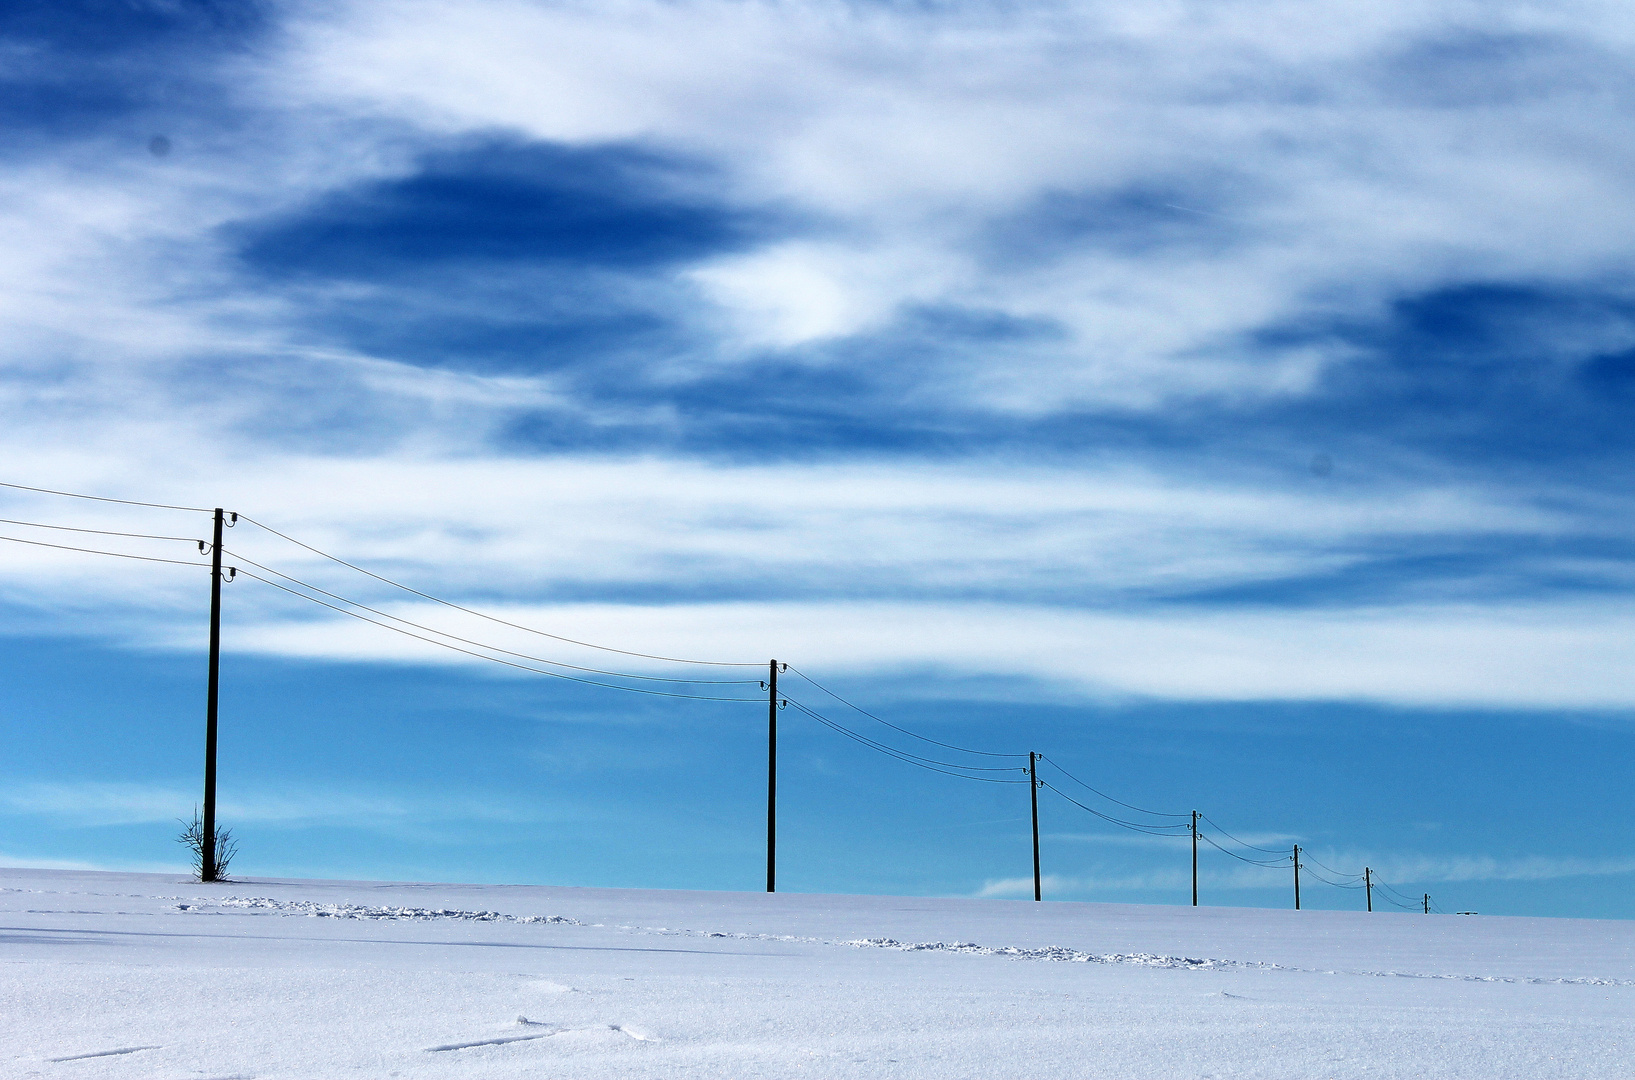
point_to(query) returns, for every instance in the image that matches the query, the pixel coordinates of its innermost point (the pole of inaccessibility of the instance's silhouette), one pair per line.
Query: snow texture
(133, 975)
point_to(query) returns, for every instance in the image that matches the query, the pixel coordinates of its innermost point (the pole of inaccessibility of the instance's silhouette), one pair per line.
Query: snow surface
(144, 975)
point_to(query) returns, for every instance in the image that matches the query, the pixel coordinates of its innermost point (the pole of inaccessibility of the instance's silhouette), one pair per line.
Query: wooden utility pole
(1297, 877)
(1427, 903)
(772, 778)
(1368, 886)
(1195, 858)
(1033, 791)
(207, 852)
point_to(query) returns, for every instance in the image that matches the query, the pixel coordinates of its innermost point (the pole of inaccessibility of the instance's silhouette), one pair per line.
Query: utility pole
(772, 778)
(1033, 791)
(207, 853)
(1427, 903)
(1368, 886)
(1195, 858)
(1297, 877)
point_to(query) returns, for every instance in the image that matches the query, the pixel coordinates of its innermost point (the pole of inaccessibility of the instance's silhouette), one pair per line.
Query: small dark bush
(192, 838)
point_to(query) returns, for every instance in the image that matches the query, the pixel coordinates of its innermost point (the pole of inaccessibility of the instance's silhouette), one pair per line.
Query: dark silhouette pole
(1297, 877)
(1195, 858)
(1368, 886)
(207, 855)
(772, 779)
(1033, 790)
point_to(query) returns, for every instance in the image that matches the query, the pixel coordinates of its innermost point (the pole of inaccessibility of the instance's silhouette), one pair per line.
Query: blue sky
(1229, 400)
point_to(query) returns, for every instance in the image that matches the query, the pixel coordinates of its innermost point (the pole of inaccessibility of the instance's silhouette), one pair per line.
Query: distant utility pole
(772, 777)
(1427, 903)
(1368, 886)
(1033, 791)
(207, 853)
(1195, 858)
(1297, 877)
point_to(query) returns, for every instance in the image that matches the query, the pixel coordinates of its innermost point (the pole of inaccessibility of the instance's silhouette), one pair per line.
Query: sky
(1228, 400)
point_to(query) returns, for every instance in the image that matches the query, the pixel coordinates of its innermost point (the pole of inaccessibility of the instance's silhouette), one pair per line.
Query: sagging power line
(1156, 823)
(493, 618)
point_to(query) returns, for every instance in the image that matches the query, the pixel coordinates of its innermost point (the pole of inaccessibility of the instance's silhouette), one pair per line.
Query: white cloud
(1330, 180)
(799, 291)
(1424, 870)
(919, 140)
(1050, 577)
(1452, 868)
(30, 862)
(1537, 656)
(99, 803)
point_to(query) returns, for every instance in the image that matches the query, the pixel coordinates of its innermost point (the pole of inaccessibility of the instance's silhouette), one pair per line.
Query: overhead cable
(1382, 885)
(1109, 798)
(1337, 884)
(484, 656)
(1284, 861)
(443, 639)
(484, 615)
(1395, 902)
(1235, 840)
(99, 498)
(94, 551)
(1309, 858)
(903, 755)
(480, 644)
(100, 532)
(894, 727)
(1134, 826)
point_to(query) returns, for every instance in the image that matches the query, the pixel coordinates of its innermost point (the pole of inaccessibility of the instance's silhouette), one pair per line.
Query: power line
(1394, 902)
(480, 644)
(1347, 881)
(100, 532)
(1401, 895)
(483, 615)
(1383, 885)
(484, 656)
(1235, 840)
(1337, 873)
(1284, 861)
(1337, 884)
(1134, 826)
(894, 727)
(902, 755)
(1109, 798)
(94, 551)
(99, 498)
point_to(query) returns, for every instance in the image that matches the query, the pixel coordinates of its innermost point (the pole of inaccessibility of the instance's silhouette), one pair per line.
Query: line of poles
(219, 574)
(775, 702)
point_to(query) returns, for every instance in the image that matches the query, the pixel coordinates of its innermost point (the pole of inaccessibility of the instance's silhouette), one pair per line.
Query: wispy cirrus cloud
(99, 803)
(1270, 362)
(1158, 189)
(1420, 870)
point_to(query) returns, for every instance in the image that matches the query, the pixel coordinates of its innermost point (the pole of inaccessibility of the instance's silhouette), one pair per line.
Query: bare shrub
(192, 838)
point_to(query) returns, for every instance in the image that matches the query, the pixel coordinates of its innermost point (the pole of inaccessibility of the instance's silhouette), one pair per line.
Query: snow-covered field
(143, 975)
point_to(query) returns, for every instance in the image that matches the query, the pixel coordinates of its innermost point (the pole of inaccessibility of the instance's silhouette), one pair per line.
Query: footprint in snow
(501, 1041)
(103, 1053)
(637, 1033)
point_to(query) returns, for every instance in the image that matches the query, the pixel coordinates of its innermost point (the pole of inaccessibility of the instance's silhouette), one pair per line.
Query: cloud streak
(1420, 870)
(1219, 170)
(89, 804)
(991, 338)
